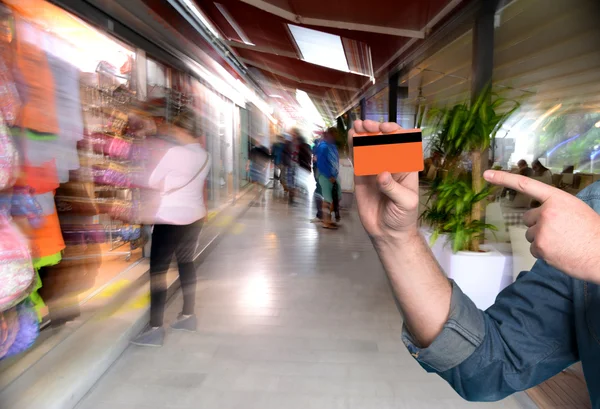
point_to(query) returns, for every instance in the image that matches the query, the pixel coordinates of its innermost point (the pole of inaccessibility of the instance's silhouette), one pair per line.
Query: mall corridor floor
(290, 316)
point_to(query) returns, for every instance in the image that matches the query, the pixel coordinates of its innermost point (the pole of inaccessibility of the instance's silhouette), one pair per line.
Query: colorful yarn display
(118, 148)
(113, 175)
(9, 158)
(16, 270)
(21, 331)
(24, 204)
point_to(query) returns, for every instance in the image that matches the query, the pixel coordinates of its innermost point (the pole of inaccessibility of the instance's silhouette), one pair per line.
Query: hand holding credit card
(400, 151)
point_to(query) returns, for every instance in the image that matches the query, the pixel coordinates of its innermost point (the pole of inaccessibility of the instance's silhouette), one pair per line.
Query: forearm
(527, 336)
(421, 288)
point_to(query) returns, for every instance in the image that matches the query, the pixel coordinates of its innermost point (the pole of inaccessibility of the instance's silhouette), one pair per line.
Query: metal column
(363, 109)
(483, 48)
(483, 58)
(393, 98)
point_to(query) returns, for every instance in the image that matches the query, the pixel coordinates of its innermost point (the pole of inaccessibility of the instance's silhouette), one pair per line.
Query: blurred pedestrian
(291, 155)
(277, 154)
(328, 162)
(335, 200)
(179, 179)
(541, 173)
(258, 164)
(304, 163)
(524, 168)
(286, 161)
(318, 192)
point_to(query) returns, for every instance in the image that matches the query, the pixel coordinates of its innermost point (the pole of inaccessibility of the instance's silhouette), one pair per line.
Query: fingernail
(489, 174)
(386, 178)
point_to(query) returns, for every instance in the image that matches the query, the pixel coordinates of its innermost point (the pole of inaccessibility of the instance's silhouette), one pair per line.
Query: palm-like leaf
(449, 209)
(463, 128)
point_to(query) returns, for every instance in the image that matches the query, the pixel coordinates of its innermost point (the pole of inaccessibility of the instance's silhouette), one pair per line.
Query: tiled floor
(290, 316)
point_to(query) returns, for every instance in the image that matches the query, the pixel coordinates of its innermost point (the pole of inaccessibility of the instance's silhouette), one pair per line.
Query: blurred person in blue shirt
(318, 191)
(328, 163)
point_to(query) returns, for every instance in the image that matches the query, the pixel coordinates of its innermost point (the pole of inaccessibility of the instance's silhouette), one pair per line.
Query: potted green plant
(450, 212)
(461, 134)
(464, 131)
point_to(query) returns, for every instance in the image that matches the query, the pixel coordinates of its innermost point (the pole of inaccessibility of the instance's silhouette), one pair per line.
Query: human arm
(524, 338)
(388, 208)
(562, 231)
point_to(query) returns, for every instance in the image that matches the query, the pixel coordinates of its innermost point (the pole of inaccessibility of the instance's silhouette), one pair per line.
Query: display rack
(105, 104)
(105, 101)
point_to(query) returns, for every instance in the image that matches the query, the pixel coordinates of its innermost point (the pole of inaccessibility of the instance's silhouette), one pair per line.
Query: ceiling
(545, 53)
(373, 35)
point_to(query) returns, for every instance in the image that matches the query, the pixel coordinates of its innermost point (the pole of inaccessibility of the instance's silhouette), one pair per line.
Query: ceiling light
(198, 14)
(309, 109)
(276, 96)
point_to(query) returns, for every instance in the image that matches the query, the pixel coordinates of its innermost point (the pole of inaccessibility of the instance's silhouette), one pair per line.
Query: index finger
(531, 187)
(358, 127)
(369, 126)
(389, 127)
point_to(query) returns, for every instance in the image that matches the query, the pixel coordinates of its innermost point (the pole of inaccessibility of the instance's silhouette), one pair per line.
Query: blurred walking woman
(178, 178)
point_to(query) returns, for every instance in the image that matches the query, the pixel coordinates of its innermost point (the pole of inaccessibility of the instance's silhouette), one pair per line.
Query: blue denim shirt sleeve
(527, 336)
(462, 334)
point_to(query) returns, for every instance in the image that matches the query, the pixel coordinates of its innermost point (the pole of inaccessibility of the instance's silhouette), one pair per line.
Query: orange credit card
(396, 152)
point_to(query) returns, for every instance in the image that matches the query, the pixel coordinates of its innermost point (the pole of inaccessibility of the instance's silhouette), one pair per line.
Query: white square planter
(481, 276)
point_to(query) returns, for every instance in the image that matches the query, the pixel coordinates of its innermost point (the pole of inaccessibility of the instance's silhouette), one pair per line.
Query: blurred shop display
(74, 152)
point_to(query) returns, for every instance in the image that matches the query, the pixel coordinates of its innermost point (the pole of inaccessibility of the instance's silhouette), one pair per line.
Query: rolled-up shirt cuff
(462, 334)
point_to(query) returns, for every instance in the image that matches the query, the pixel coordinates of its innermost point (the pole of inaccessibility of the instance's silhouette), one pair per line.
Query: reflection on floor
(84, 270)
(291, 316)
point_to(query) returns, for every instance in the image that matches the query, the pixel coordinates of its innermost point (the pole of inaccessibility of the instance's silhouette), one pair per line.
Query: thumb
(397, 193)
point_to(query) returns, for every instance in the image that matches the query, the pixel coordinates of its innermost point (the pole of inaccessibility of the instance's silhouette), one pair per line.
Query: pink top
(178, 166)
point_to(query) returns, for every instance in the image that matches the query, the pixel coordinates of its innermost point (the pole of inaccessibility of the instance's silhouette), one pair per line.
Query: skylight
(320, 48)
(310, 111)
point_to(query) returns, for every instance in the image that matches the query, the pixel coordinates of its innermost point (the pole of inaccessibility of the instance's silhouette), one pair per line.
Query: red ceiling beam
(345, 25)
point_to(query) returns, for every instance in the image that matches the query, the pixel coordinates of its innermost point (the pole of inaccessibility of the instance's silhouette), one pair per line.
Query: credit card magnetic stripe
(387, 139)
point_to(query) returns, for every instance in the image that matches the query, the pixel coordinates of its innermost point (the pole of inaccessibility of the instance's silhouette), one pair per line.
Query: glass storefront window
(225, 128)
(156, 74)
(226, 152)
(377, 106)
(565, 139)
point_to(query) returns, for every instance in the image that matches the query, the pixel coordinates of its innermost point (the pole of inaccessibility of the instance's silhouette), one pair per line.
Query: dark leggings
(181, 241)
(318, 195)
